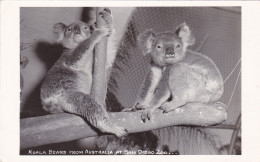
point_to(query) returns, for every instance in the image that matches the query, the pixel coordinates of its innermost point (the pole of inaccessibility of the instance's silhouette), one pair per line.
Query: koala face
(70, 36)
(166, 48)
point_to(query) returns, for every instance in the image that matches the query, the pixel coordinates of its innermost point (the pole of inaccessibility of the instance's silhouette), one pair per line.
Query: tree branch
(99, 84)
(64, 127)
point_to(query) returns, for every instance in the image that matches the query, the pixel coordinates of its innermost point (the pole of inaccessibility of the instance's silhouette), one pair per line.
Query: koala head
(166, 48)
(70, 36)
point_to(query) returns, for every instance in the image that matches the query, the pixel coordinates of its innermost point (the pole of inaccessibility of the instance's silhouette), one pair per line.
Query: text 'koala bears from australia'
(67, 86)
(177, 76)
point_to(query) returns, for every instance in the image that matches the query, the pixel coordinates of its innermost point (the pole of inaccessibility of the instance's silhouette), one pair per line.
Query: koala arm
(148, 87)
(162, 91)
(80, 54)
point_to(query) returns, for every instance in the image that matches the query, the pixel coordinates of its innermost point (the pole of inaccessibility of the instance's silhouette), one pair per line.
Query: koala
(67, 85)
(177, 75)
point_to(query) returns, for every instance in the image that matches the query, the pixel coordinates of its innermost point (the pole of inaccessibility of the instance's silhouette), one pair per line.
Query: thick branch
(64, 127)
(99, 86)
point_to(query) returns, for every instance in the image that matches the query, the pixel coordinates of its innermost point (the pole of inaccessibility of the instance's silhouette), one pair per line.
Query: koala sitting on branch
(67, 86)
(177, 76)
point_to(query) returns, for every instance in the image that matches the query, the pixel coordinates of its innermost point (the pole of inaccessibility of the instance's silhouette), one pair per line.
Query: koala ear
(58, 31)
(183, 31)
(145, 41)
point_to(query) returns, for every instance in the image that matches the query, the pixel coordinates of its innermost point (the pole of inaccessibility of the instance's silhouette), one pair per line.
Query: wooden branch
(99, 84)
(64, 127)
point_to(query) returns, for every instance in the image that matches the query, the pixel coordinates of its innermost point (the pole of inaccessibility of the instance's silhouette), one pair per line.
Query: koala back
(197, 76)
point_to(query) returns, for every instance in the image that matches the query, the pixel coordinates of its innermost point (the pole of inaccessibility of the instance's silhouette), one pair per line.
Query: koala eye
(85, 27)
(178, 46)
(69, 29)
(159, 46)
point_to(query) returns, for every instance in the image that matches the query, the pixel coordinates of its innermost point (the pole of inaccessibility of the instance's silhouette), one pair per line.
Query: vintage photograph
(130, 80)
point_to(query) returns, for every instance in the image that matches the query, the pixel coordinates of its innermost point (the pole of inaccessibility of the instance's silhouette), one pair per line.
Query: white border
(9, 83)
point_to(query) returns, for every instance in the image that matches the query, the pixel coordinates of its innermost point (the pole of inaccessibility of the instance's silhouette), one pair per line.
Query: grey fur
(176, 73)
(67, 85)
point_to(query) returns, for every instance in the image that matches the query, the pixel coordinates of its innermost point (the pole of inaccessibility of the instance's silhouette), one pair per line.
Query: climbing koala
(67, 85)
(177, 76)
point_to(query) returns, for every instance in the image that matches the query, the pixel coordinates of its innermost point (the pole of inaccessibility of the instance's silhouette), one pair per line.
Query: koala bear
(177, 76)
(67, 85)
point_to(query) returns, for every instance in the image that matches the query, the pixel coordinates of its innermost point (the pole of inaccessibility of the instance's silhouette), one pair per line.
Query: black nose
(170, 50)
(76, 30)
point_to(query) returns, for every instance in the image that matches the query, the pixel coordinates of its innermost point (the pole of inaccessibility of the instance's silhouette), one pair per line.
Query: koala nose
(76, 30)
(170, 51)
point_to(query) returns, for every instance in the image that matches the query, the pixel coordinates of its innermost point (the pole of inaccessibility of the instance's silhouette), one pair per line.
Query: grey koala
(67, 85)
(177, 76)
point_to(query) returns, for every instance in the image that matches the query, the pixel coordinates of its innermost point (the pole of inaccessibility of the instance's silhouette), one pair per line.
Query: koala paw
(131, 109)
(147, 115)
(106, 15)
(107, 127)
(119, 131)
(139, 106)
(105, 30)
(167, 107)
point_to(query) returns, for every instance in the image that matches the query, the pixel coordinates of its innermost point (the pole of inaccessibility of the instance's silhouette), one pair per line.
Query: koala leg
(161, 95)
(172, 105)
(85, 106)
(152, 81)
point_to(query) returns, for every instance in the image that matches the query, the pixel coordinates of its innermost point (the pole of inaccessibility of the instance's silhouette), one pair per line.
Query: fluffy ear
(58, 31)
(183, 31)
(145, 41)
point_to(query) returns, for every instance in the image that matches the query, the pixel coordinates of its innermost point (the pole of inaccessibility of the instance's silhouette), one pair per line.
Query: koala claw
(165, 111)
(132, 109)
(107, 10)
(139, 106)
(177, 110)
(167, 107)
(106, 15)
(146, 114)
(120, 131)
